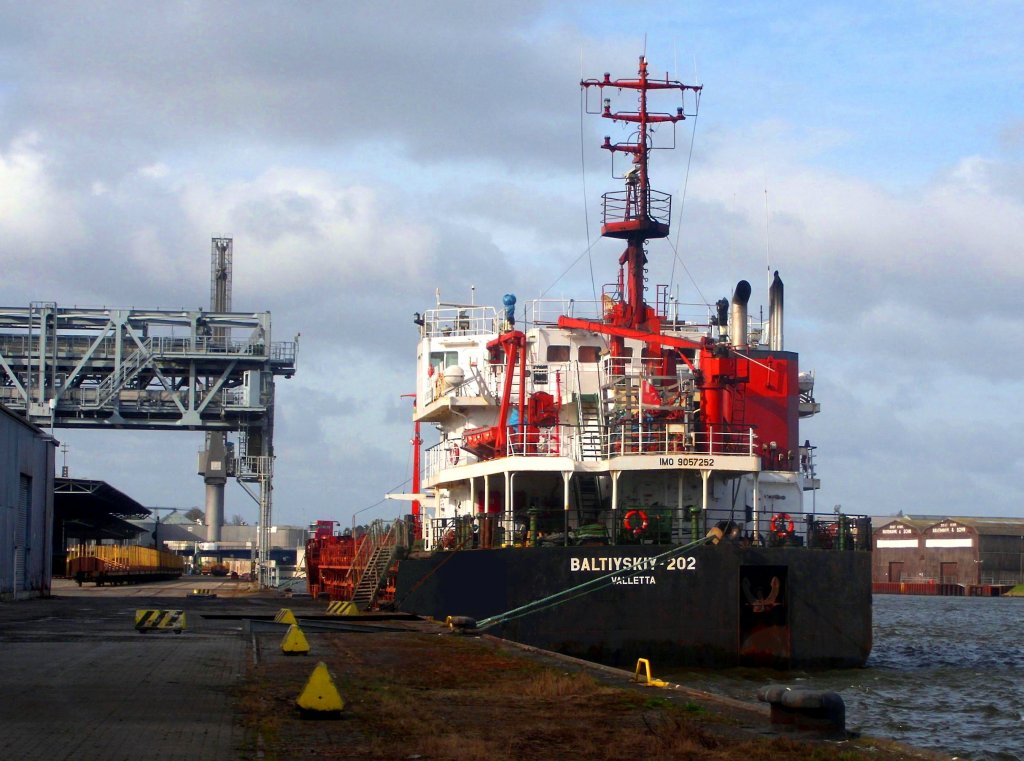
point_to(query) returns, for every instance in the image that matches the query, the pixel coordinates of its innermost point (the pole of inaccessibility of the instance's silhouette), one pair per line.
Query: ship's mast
(638, 213)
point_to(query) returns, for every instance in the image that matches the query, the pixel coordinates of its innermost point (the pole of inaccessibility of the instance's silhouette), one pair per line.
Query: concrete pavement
(78, 682)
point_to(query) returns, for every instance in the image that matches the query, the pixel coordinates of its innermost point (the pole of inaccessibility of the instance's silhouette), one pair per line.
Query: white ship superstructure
(589, 437)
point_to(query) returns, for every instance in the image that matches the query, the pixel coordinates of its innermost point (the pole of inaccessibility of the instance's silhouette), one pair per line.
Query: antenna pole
(767, 236)
(638, 213)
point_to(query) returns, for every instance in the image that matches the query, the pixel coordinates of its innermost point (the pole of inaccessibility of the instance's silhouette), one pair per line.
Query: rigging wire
(382, 501)
(583, 173)
(687, 271)
(682, 205)
(567, 269)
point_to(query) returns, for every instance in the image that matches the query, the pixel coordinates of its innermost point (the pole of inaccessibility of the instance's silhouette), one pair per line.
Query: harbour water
(945, 673)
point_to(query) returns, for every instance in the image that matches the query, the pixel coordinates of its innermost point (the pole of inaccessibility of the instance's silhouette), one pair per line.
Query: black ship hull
(722, 605)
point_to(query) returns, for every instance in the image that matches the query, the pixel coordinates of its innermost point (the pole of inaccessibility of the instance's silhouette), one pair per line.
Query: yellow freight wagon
(114, 564)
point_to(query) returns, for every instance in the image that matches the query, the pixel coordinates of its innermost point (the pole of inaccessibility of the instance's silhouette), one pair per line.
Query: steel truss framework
(154, 370)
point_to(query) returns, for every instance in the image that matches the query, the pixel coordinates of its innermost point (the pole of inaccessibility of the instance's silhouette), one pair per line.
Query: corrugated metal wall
(26, 508)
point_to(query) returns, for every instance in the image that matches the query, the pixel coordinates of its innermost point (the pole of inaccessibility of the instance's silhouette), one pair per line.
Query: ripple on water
(945, 673)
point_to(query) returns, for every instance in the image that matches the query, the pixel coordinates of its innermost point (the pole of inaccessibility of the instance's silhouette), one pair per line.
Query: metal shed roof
(94, 510)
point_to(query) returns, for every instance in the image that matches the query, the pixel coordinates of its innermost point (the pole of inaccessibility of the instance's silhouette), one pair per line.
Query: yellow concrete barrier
(294, 642)
(343, 608)
(161, 620)
(320, 697)
(285, 616)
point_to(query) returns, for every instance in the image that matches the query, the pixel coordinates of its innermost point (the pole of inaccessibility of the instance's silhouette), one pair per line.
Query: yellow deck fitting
(647, 671)
(161, 620)
(285, 616)
(320, 696)
(343, 608)
(294, 642)
(201, 593)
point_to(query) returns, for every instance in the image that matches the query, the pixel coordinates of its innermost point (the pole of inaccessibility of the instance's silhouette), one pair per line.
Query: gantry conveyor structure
(127, 368)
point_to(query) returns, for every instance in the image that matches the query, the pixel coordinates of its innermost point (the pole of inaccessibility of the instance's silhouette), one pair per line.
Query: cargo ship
(619, 479)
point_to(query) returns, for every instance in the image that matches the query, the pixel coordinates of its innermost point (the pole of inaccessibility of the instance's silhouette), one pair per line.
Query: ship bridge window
(589, 355)
(439, 360)
(558, 354)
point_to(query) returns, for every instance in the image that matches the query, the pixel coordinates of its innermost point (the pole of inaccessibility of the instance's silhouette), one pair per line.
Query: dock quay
(80, 682)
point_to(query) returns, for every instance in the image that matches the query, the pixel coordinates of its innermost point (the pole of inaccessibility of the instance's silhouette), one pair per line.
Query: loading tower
(152, 369)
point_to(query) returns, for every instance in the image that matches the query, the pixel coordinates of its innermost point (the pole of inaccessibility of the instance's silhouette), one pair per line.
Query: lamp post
(416, 442)
(362, 510)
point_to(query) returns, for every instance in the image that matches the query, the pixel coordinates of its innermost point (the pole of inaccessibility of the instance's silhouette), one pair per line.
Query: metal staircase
(117, 380)
(372, 561)
(369, 582)
(589, 406)
(587, 490)
(586, 487)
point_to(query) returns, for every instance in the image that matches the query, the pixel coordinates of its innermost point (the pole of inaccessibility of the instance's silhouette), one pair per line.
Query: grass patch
(447, 698)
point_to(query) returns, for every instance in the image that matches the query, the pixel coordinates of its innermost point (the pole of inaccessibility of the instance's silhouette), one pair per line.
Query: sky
(363, 155)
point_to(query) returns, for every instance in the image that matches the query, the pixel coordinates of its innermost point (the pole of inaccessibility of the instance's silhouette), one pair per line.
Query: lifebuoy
(453, 454)
(782, 524)
(632, 526)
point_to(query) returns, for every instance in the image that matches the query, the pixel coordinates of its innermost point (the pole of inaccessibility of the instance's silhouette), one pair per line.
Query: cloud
(35, 216)
(184, 75)
(364, 156)
(300, 229)
(851, 245)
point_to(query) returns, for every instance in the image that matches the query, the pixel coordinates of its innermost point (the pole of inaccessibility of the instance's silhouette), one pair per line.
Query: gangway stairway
(586, 486)
(381, 548)
(590, 426)
(371, 578)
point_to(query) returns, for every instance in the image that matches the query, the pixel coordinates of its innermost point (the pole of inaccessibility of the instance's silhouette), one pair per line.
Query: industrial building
(88, 512)
(236, 550)
(26, 507)
(958, 551)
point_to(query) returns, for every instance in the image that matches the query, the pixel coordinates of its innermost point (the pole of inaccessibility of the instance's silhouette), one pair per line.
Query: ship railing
(549, 441)
(679, 316)
(638, 438)
(474, 531)
(624, 206)
(630, 369)
(446, 454)
(460, 320)
(663, 524)
(541, 312)
(454, 533)
(652, 524)
(834, 532)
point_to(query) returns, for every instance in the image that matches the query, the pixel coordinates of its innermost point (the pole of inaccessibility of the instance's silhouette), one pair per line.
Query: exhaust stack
(738, 315)
(775, 314)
